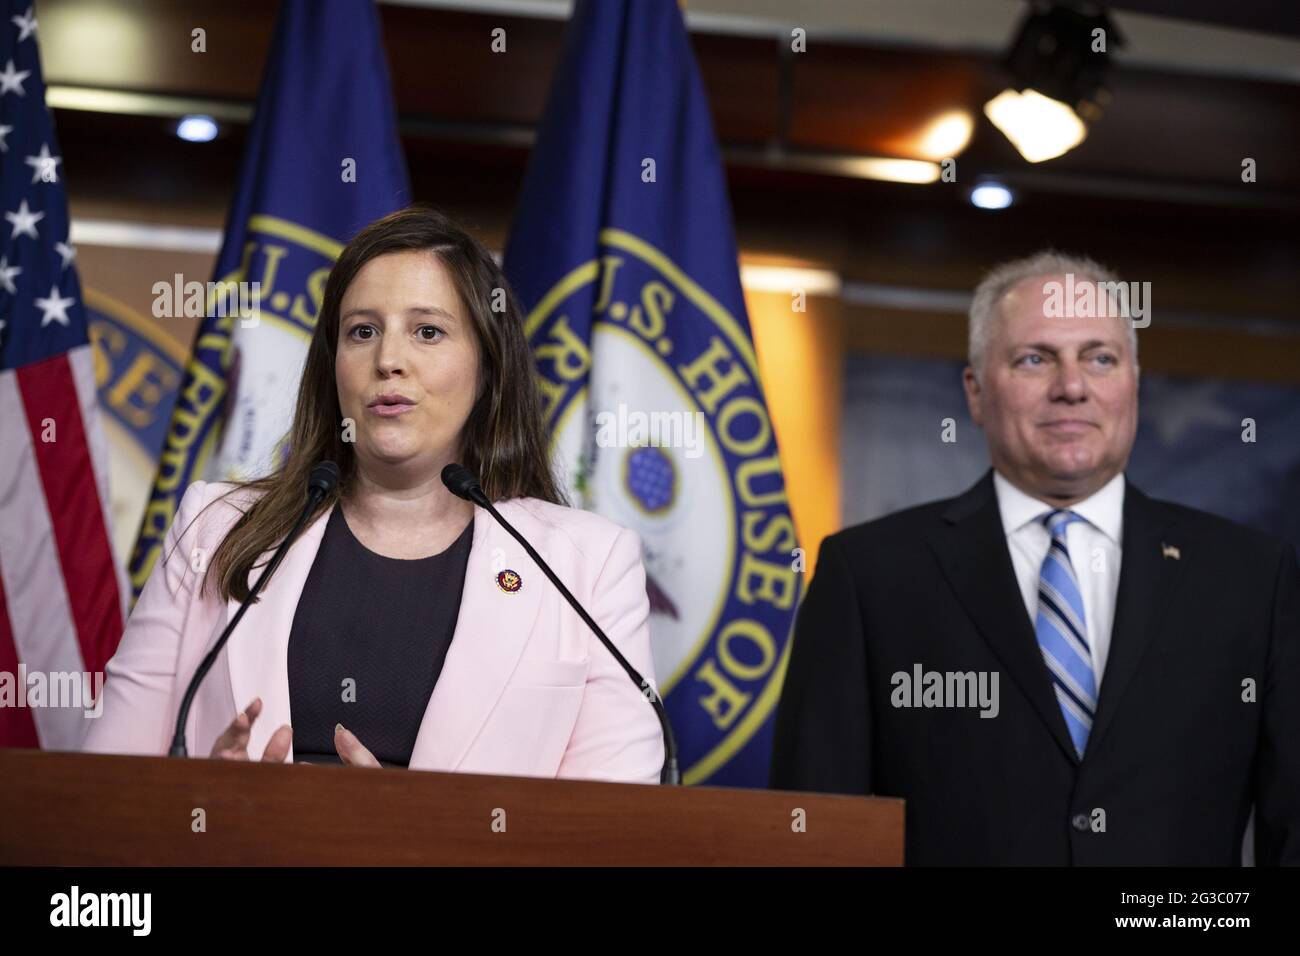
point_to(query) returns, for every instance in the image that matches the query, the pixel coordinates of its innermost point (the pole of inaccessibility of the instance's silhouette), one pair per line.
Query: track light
(1058, 64)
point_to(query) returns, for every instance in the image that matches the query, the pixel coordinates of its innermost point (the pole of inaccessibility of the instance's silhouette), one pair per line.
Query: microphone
(460, 481)
(324, 479)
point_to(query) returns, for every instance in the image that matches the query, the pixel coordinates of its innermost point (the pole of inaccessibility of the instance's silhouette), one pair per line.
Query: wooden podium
(71, 809)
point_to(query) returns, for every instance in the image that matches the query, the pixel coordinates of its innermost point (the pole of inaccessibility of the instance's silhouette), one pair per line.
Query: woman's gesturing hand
(351, 750)
(233, 742)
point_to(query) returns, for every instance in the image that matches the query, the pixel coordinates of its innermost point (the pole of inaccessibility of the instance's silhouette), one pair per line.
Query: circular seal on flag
(135, 408)
(273, 297)
(509, 581)
(651, 393)
(235, 401)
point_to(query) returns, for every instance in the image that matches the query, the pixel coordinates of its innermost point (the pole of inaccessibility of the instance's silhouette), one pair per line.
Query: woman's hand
(233, 742)
(351, 750)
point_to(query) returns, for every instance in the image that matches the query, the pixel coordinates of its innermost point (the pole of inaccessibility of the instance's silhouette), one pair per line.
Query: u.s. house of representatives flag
(323, 160)
(62, 595)
(622, 251)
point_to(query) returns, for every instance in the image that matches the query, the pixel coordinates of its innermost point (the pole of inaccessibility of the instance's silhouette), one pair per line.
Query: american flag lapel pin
(1169, 551)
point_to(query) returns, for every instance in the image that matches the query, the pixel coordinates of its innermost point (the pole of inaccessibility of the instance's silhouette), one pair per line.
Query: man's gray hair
(999, 281)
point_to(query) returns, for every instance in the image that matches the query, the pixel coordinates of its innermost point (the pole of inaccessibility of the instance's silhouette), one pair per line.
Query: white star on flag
(66, 252)
(55, 308)
(24, 221)
(7, 273)
(4, 131)
(45, 167)
(26, 24)
(10, 80)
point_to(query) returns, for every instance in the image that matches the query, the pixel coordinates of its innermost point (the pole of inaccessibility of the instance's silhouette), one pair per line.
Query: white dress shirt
(1094, 546)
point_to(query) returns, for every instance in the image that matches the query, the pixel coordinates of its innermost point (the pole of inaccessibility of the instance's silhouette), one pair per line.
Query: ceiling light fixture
(1058, 63)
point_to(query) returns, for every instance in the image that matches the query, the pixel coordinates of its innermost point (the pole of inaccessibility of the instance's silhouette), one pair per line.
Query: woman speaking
(404, 627)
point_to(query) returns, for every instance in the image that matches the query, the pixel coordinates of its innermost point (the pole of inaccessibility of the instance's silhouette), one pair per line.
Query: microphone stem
(670, 774)
(178, 748)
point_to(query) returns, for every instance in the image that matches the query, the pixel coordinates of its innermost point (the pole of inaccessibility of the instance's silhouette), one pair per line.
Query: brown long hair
(503, 441)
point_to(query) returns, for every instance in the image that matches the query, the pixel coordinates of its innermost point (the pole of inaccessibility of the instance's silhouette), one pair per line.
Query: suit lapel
(1146, 581)
(258, 650)
(492, 628)
(971, 547)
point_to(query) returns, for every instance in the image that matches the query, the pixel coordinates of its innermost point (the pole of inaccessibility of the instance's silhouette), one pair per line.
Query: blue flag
(622, 251)
(323, 160)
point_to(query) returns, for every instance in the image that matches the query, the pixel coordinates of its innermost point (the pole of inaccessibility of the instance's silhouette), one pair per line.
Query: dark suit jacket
(1175, 758)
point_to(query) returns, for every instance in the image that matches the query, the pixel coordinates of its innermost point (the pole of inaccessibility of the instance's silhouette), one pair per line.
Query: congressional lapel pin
(509, 581)
(1169, 551)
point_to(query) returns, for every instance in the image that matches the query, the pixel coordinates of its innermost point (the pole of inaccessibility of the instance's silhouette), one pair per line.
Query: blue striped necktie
(1063, 633)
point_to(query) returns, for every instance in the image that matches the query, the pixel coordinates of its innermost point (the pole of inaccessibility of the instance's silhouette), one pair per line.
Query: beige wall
(800, 358)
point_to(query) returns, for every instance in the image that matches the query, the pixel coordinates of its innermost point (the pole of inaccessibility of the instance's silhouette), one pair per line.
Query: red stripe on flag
(17, 728)
(67, 474)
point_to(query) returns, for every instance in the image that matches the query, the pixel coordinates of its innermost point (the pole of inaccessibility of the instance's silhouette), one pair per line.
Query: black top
(368, 642)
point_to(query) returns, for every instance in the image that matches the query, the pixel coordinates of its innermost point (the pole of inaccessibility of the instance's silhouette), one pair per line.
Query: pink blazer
(526, 689)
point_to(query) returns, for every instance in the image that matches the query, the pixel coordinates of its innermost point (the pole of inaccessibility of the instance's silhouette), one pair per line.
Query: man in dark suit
(1053, 668)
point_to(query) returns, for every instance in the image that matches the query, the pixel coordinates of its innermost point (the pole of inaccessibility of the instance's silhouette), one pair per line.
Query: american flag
(62, 595)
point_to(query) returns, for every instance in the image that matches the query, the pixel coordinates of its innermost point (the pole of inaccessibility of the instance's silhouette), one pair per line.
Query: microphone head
(460, 481)
(324, 479)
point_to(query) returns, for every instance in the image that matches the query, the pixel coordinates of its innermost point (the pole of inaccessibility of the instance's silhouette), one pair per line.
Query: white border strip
(124, 234)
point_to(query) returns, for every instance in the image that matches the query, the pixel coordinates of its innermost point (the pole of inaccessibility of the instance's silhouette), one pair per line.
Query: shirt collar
(1103, 509)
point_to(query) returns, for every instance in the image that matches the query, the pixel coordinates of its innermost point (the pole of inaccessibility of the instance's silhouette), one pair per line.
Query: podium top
(75, 809)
